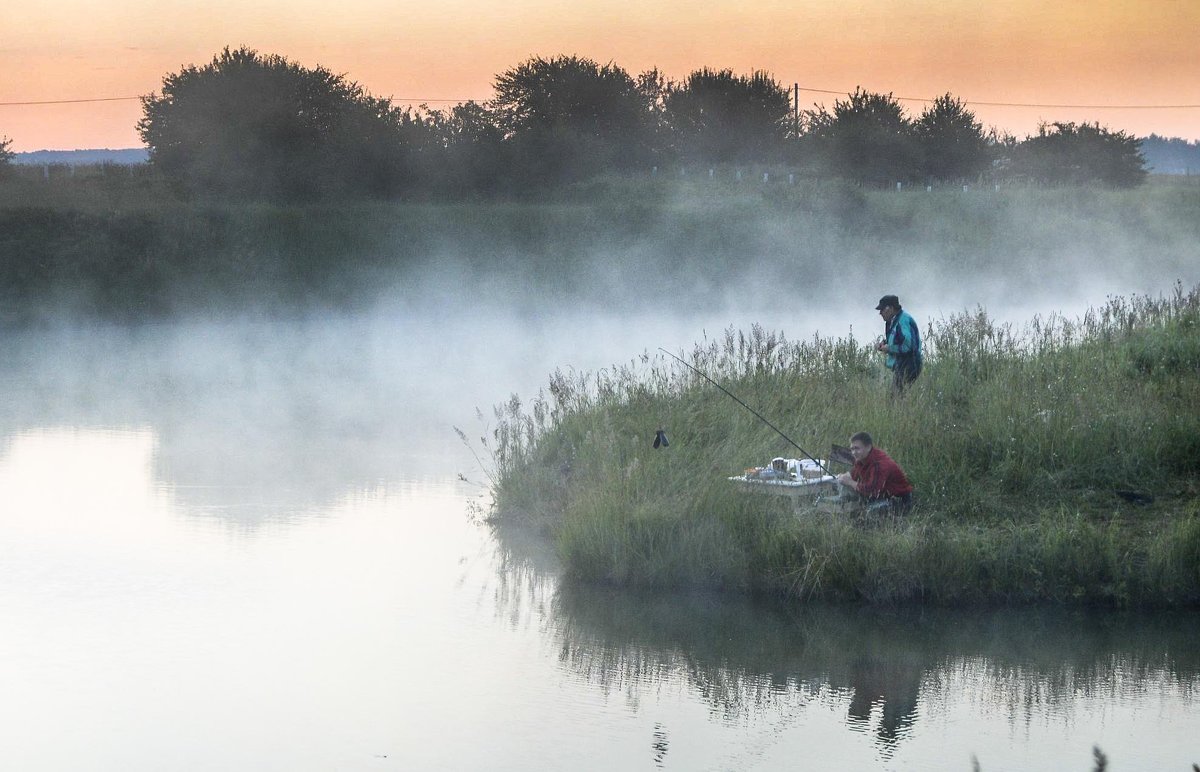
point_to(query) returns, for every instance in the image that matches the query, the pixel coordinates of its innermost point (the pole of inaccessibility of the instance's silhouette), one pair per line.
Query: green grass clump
(1018, 443)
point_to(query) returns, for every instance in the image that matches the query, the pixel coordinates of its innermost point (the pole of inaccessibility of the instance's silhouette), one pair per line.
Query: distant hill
(129, 156)
(1164, 155)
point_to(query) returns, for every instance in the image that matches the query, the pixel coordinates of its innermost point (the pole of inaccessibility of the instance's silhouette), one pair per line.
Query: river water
(257, 545)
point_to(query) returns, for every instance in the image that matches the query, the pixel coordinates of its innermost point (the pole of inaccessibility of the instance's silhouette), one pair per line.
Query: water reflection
(248, 420)
(141, 636)
(367, 619)
(921, 688)
(527, 570)
(884, 697)
(883, 672)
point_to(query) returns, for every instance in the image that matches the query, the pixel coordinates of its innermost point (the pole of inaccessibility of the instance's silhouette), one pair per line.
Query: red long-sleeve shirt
(878, 476)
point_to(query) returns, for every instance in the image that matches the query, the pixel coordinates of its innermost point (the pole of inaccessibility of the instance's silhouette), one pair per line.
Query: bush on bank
(1017, 442)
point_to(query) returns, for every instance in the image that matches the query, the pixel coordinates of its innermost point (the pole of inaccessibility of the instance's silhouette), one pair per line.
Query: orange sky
(1068, 52)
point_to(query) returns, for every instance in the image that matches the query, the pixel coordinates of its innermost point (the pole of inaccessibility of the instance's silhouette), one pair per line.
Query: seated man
(876, 477)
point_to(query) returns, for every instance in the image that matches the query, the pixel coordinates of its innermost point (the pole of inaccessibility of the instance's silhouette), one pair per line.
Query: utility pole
(796, 111)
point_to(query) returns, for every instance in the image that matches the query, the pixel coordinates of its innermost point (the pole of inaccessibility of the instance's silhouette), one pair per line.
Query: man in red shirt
(876, 477)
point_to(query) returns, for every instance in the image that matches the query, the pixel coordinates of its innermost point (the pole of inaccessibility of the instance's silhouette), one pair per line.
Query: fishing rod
(757, 414)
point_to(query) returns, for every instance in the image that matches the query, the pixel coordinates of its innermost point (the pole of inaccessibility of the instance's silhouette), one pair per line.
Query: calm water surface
(248, 546)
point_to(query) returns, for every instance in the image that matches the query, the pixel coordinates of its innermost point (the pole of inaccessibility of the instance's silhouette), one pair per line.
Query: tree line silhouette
(260, 126)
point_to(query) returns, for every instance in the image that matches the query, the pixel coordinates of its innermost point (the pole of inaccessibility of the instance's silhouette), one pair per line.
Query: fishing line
(757, 414)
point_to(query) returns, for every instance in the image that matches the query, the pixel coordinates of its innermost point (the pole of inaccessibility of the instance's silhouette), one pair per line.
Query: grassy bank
(1017, 442)
(119, 245)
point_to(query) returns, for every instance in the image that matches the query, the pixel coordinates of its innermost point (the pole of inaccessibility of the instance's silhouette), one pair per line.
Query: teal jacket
(903, 340)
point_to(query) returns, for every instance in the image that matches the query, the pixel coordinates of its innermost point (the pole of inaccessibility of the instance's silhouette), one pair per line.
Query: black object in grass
(1136, 497)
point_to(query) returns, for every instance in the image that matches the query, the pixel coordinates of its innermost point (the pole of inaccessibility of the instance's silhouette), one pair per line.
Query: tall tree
(953, 145)
(259, 125)
(473, 146)
(653, 88)
(715, 116)
(568, 118)
(1075, 154)
(867, 138)
(6, 155)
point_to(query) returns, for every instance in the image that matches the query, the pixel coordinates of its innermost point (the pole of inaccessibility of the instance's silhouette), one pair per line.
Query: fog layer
(359, 362)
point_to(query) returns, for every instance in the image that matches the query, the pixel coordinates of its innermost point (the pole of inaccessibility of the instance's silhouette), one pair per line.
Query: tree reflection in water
(882, 673)
(885, 668)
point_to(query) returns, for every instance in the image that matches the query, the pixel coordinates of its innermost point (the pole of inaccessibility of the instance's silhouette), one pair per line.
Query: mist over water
(316, 399)
(668, 279)
(241, 541)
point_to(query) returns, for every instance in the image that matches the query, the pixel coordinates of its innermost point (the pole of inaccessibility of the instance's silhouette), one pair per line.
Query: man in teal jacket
(901, 342)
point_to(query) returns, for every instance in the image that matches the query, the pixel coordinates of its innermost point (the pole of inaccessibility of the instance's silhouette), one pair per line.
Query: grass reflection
(887, 670)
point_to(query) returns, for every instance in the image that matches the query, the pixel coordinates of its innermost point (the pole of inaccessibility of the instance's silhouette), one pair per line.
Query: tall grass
(1018, 442)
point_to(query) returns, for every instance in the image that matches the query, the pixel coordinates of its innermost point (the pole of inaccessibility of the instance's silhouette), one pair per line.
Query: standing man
(876, 477)
(901, 342)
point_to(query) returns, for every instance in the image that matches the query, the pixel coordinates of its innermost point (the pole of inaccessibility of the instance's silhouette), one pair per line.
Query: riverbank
(120, 246)
(1018, 442)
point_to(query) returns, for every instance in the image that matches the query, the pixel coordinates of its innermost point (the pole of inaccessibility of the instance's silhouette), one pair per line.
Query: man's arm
(869, 483)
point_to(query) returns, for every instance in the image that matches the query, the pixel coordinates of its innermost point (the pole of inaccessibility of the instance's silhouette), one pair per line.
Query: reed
(1017, 442)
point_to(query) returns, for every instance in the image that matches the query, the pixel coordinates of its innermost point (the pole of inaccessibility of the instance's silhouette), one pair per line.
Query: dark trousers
(905, 372)
(896, 505)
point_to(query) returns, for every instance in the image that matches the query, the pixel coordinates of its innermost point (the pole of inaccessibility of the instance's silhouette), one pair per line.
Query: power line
(123, 99)
(68, 101)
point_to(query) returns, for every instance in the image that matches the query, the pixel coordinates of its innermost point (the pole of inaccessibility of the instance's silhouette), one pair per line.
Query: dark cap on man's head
(888, 300)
